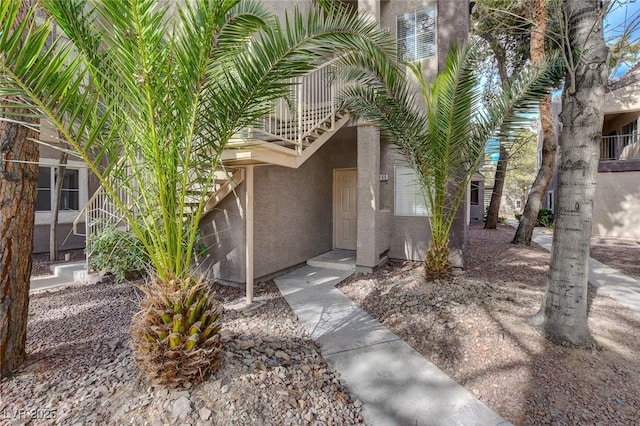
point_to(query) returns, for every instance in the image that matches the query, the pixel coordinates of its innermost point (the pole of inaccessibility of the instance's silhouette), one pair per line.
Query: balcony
(619, 147)
(620, 153)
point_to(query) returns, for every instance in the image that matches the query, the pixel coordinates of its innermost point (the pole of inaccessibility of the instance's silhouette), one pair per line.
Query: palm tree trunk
(563, 313)
(549, 147)
(18, 190)
(498, 187)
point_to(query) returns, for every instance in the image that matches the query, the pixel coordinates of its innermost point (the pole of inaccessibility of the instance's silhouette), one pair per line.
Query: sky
(625, 15)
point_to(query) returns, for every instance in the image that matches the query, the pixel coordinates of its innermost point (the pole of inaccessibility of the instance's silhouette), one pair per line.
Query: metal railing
(293, 120)
(311, 103)
(611, 147)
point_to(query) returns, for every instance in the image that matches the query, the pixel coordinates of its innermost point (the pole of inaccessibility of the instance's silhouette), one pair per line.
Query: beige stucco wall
(624, 99)
(293, 214)
(615, 206)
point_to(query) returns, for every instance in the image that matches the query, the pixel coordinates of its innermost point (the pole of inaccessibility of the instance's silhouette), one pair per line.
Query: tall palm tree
(148, 96)
(442, 128)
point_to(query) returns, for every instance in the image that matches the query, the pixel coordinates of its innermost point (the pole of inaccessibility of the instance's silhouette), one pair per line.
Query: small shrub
(118, 252)
(502, 220)
(518, 216)
(545, 218)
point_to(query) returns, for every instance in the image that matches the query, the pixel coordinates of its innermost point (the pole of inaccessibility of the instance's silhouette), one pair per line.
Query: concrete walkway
(396, 384)
(611, 282)
(63, 274)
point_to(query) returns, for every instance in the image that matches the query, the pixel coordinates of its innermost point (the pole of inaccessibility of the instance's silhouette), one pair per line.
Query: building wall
(615, 206)
(66, 240)
(293, 214)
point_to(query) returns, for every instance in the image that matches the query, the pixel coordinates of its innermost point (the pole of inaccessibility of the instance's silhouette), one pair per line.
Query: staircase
(286, 137)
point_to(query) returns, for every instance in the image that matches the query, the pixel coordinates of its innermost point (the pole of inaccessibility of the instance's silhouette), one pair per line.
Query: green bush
(118, 252)
(545, 218)
(502, 220)
(518, 216)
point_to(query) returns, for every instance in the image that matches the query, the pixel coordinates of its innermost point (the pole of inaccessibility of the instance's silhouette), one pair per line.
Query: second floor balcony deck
(620, 147)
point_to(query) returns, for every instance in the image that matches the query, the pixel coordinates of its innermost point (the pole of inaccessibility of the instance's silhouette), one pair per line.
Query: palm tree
(442, 128)
(148, 97)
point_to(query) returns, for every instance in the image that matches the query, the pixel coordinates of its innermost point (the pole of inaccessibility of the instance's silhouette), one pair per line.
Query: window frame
(420, 206)
(43, 217)
(550, 200)
(475, 183)
(402, 46)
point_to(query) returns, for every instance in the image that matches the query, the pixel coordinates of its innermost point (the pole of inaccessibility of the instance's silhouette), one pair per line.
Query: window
(416, 35)
(630, 133)
(70, 195)
(550, 200)
(518, 204)
(409, 199)
(475, 193)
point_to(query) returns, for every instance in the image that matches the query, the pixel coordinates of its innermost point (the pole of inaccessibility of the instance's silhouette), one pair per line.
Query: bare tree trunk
(563, 314)
(55, 208)
(18, 188)
(18, 191)
(545, 173)
(498, 186)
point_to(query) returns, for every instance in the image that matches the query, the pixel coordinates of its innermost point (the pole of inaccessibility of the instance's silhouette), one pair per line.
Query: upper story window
(70, 196)
(417, 34)
(409, 196)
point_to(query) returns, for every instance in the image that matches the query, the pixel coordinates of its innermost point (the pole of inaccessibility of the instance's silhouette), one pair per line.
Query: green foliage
(118, 252)
(156, 95)
(502, 220)
(443, 129)
(545, 218)
(518, 216)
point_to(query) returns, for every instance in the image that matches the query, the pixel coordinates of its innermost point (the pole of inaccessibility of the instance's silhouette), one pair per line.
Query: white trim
(66, 216)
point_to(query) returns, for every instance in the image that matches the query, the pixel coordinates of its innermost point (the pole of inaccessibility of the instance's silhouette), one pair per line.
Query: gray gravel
(80, 367)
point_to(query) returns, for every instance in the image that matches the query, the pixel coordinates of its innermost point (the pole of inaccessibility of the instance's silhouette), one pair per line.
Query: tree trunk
(18, 191)
(563, 314)
(55, 209)
(545, 173)
(18, 188)
(498, 185)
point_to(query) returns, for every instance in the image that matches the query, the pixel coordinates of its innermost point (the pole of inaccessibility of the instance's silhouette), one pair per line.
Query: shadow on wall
(617, 205)
(415, 248)
(225, 245)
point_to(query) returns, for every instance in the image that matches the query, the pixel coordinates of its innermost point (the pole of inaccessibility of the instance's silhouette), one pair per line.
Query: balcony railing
(619, 147)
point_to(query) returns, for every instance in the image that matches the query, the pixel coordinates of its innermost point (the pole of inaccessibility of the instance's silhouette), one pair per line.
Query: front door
(345, 214)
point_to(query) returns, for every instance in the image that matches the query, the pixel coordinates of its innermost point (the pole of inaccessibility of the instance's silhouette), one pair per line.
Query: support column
(367, 257)
(249, 234)
(370, 7)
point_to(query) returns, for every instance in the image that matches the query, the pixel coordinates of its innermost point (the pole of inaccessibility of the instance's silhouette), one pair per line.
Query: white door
(344, 208)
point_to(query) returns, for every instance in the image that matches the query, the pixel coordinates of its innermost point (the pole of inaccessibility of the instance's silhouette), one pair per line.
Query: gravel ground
(80, 367)
(475, 329)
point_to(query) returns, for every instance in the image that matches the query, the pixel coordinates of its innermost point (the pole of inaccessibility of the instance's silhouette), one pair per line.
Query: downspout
(249, 234)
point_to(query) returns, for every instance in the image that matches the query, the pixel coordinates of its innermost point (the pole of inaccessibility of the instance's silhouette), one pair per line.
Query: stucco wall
(41, 238)
(293, 214)
(409, 235)
(616, 205)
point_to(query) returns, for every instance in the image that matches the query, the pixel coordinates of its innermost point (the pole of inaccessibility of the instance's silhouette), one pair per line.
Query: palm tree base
(437, 265)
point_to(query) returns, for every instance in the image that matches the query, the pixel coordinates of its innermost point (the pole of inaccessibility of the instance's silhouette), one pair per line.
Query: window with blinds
(409, 199)
(416, 35)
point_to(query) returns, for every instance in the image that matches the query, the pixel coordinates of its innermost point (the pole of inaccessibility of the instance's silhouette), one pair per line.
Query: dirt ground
(475, 328)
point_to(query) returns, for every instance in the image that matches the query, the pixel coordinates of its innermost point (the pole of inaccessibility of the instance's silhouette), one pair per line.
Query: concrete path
(63, 274)
(624, 289)
(396, 384)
